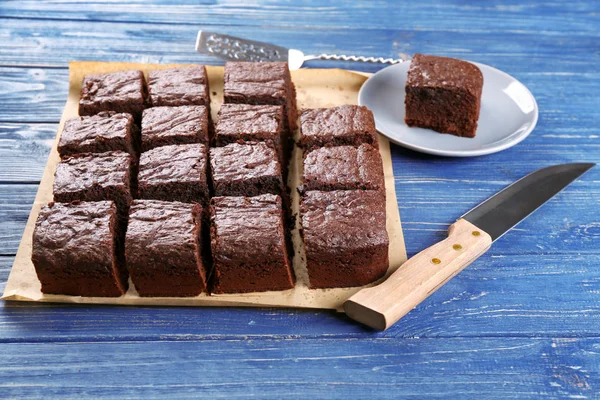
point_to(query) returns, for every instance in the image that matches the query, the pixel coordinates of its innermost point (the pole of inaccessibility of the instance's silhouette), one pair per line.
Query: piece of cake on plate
(443, 94)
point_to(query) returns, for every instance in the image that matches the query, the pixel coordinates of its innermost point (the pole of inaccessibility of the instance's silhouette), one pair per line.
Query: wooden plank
(24, 149)
(32, 94)
(57, 42)
(555, 137)
(500, 295)
(567, 224)
(540, 282)
(5, 266)
(15, 204)
(544, 16)
(39, 95)
(281, 369)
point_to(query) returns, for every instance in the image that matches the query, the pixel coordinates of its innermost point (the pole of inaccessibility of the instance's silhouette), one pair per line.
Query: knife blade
(468, 238)
(498, 214)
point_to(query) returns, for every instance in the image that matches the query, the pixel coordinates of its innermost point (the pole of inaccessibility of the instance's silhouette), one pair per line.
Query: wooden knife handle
(383, 305)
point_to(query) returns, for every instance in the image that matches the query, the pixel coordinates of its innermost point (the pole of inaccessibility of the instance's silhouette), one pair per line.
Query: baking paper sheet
(315, 88)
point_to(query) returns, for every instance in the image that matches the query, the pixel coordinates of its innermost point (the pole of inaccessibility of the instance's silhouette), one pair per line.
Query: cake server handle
(343, 57)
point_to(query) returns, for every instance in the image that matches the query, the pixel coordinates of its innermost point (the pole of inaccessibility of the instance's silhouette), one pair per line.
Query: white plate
(508, 114)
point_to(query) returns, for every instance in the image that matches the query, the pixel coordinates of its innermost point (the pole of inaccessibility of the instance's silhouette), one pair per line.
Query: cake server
(468, 238)
(231, 48)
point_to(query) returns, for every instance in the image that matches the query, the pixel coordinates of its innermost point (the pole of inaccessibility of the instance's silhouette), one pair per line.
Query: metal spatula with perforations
(231, 48)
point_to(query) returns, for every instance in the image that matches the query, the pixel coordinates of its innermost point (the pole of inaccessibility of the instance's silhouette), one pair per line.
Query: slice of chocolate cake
(443, 94)
(249, 123)
(261, 83)
(123, 92)
(345, 237)
(163, 126)
(245, 169)
(343, 168)
(185, 86)
(78, 250)
(96, 177)
(106, 131)
(248, 245)
(163, 248)
(174, 173)
(337, 126)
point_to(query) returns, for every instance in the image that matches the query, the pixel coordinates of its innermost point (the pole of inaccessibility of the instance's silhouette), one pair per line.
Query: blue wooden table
(521, 322)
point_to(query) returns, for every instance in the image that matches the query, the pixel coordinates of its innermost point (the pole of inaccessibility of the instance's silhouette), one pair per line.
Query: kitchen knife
(468, 238)
(231, 48)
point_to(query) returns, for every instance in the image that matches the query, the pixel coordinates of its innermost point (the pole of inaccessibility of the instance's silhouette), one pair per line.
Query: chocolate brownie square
(163, 248)
(185, 86)
(77, 250)
(249, 123)
(245, 169)
(261, 83)
(123, 92)
(106, 131)
(248, 245)
(174, 173)
(345, 237)
(337, 126)
(443, 94)
(343, 168)
(96, 177)
(162, 126)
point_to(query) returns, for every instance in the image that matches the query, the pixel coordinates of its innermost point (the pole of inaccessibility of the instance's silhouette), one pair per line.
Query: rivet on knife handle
(381, 306)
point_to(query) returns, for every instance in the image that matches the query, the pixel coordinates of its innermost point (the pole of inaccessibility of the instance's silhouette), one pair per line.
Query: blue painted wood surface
(521, 322)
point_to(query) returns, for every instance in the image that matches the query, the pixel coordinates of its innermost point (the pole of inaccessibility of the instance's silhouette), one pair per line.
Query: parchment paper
(315, 88)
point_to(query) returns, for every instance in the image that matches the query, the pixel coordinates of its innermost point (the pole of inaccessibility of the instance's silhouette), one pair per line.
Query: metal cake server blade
(468, 238)
(231, 48)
